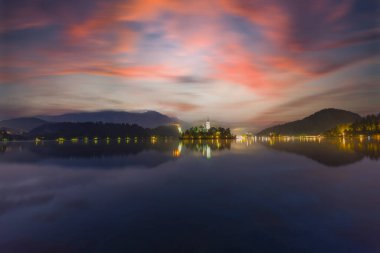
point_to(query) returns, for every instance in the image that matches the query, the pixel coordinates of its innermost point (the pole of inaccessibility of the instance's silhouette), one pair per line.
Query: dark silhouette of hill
(331, 151)
(99, 129)
(81, 155)
(326, 153)
(315, 124)
(145, 119)
(20, 125)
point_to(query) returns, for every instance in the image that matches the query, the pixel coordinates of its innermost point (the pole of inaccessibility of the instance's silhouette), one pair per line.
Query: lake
(264, 195)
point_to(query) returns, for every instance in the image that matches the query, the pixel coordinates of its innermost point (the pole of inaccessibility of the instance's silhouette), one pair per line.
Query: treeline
(99, 130)
(202, 133)
(369, 125)
(4, 135)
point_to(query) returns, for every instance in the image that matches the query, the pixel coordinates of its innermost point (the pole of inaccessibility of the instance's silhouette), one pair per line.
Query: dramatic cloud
(205, 57)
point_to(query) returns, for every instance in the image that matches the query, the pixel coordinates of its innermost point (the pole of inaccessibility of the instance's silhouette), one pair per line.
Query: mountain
(328, 153)
(19, 125)
(148, 119)
(56, 130)
(314, 124)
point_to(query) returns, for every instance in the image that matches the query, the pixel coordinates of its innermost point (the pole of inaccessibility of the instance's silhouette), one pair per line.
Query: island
(328, 122)
(207, 132)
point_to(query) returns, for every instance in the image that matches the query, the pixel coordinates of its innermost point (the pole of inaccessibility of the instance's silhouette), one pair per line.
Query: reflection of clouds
(10, 204)
(30, 186)
(250, 193)
(63, 210)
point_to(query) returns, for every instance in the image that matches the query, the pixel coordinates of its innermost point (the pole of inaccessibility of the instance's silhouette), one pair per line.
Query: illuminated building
(207, 124)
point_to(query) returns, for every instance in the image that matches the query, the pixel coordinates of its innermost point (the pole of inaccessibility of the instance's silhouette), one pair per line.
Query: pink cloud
(180, 106)
(93, 43)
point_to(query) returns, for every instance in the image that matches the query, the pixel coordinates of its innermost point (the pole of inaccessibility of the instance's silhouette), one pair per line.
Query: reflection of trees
(2, 149)
(205, 147)
(105, 149)
(373, 151)
(201, 145)
(92, 155)
(330, 152)
(367, 148)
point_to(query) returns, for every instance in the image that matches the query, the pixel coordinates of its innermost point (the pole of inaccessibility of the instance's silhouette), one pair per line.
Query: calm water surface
(254, 196)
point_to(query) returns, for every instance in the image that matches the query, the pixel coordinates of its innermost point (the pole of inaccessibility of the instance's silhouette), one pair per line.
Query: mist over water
(169, 196)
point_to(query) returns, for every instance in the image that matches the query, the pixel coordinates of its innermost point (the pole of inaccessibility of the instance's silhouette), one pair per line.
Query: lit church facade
(207, 124)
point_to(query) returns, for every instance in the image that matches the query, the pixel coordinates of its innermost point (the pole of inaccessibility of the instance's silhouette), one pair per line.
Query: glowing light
(60, 140)
(153, 139)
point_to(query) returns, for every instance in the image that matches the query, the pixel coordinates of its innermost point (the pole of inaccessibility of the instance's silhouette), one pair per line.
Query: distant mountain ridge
(56, 130)
(145, 119)
(314, 124)
(20, 125)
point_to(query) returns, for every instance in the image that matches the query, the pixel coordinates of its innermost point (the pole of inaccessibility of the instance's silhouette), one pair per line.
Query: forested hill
(100, 130)
(315, 124)
(21, 125)
(149, 119)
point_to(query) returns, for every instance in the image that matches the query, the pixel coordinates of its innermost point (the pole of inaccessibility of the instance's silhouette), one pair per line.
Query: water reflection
(207, 147)
(188, 202)
(153, 152)
(330, 152)
(98, 154)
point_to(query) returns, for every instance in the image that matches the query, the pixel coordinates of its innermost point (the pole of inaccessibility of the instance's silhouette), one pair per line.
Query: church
(207, 124)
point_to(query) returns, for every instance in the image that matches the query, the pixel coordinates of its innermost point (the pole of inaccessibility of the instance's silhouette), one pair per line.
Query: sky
(257, 62)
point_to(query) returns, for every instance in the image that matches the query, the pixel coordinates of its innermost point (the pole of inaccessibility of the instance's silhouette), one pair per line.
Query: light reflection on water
(163, 195)
(330, 152)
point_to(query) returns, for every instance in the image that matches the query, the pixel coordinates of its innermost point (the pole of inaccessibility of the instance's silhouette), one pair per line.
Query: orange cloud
(157, 71)
(180, 106)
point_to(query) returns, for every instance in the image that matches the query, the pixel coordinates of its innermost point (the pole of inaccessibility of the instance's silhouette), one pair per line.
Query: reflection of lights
(239, 138)
(208, 152)
(177, 152)
(180, 147)
(37, 141)
(369, 145)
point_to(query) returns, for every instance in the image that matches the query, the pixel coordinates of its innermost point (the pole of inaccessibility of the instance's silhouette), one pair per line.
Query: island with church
(206, 131)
